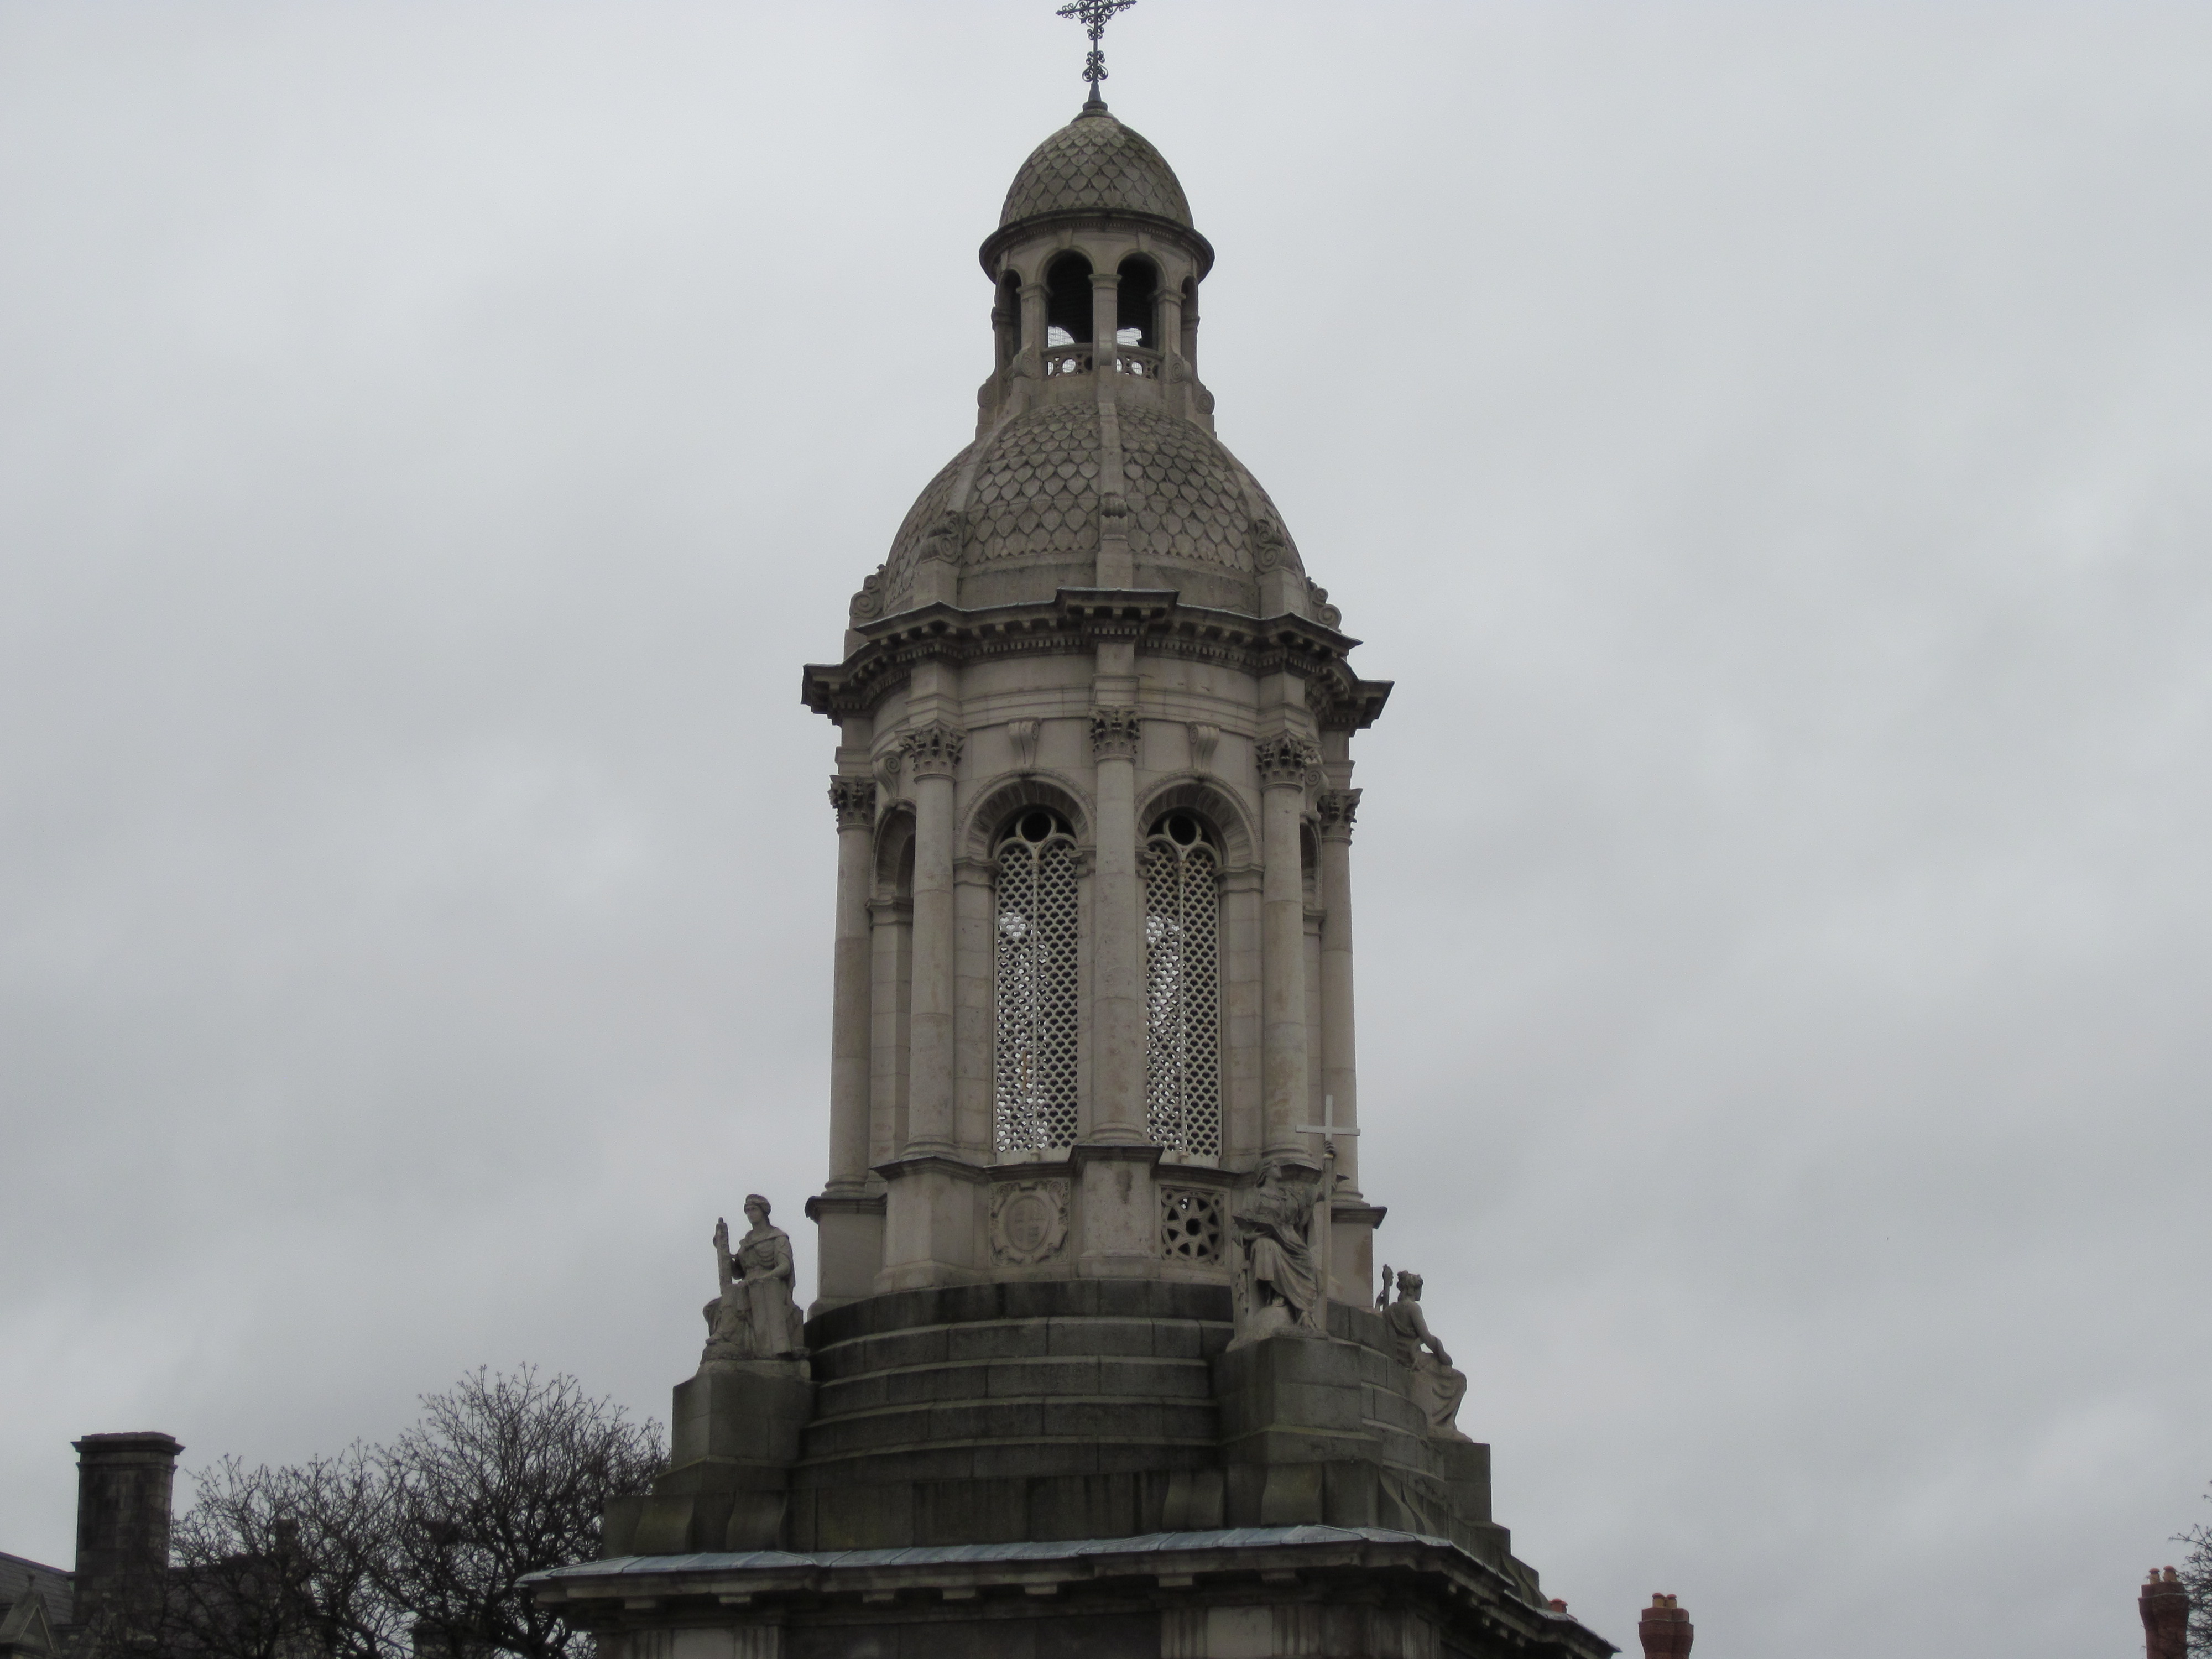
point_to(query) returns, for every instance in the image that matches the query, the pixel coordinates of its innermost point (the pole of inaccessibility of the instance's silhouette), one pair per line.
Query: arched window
(1033, 982)
(1068, 301)
(1183, 985)
(1135, 303)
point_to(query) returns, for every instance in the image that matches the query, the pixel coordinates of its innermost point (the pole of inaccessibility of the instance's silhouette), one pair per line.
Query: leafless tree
(283, 1564)
(2196, 1573)
(418, 1544)
(504, 1476)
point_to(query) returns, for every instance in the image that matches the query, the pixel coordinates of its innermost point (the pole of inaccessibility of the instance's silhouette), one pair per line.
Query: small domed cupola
(1095, 165)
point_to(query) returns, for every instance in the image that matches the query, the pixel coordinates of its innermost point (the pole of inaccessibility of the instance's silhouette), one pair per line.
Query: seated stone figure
(1278, 1283)
(754, 1317)
(1437, 1388)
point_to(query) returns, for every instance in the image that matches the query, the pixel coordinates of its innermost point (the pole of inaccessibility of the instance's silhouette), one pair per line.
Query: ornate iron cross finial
(1093, 16)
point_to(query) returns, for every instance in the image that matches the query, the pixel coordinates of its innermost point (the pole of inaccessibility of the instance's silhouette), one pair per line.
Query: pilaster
(1284, 761)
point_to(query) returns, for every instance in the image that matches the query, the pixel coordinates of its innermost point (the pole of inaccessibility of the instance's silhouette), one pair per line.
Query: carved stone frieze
(934, 751)
(1285, 760)
(1336, 809)
(853, 800)
(1028, 1222)
(1115, 733)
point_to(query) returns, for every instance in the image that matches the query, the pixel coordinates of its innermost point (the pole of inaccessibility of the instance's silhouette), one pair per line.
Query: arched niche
(895, 853)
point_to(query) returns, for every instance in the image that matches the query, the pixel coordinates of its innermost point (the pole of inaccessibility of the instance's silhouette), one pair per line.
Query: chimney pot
(2164, 1605)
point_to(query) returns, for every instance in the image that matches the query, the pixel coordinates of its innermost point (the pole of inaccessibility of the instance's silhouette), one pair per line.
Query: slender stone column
(855, 801)
(1340, 1072)
(932, 754)
(1175, 376)
(1117, 999)
(1105, 317)
(1033, 326)
(1284, 761)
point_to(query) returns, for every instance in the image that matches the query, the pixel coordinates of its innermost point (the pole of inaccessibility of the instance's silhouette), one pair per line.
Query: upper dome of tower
(1096, 164)
(1018, 511)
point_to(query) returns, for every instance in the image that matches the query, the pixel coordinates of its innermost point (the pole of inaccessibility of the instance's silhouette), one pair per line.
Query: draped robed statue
(1278, 1284)
(755, 1316)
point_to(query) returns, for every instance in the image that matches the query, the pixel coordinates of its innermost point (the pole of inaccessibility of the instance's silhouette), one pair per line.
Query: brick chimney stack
(1665, 1629)
(124, 1484)
(2164, 1604)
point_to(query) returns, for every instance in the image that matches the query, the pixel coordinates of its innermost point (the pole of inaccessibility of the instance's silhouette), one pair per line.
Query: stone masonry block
(1035, 1459)
(756, 1413)
(1043, 1376)
(997, 1340)
(1120, 1337)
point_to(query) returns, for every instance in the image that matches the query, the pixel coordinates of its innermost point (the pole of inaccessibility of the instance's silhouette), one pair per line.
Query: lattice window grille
(1182, 996)
(1190, 1224)
(1034, 995)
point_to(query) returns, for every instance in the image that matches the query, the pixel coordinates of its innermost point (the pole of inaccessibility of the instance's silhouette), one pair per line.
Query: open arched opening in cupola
(1068, 301)
(1136, 303)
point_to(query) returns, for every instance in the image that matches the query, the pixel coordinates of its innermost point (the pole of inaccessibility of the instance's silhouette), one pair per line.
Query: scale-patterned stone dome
(1024, 501)
(1093, 163)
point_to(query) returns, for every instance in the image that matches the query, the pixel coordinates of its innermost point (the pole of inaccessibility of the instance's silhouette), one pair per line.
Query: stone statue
(754, 1318)
(1437, 1388)
(1278, 1283)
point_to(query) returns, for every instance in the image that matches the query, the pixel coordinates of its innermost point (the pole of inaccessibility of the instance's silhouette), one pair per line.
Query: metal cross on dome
(1093, 15)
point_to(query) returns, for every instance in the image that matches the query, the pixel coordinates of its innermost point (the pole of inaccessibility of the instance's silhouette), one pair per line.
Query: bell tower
(1095, 1365)
(1094, 963)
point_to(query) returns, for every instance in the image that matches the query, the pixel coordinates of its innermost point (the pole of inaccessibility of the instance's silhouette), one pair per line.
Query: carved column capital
(1285, 760)
(1336, 808)
(1114, 733)
(853, 800)
(934, 751)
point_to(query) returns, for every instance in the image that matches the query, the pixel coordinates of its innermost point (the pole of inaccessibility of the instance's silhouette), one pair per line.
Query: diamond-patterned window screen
(1182, 988)
(1033, 986)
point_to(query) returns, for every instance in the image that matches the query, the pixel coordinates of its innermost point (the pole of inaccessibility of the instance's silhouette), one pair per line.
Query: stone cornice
(1482, 1605)
(1022, 230)
(1078, 619)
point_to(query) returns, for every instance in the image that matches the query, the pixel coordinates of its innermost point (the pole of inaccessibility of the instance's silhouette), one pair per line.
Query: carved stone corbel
(1203, 740)
(868, 603)
(1023, 734)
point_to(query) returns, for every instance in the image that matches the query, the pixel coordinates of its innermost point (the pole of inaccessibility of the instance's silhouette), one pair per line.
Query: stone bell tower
(1094, 798)
(1095, 1365)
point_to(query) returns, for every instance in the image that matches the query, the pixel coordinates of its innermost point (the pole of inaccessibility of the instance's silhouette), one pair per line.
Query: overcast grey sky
(1766, 443)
